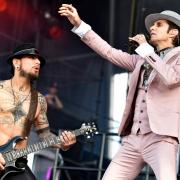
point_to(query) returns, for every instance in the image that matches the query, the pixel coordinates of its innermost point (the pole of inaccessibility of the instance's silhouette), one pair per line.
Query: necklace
(18, 111)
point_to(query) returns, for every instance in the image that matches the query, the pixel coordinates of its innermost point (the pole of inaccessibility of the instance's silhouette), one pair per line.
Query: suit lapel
(135, 78)
(174, 52)
(152, 76)
(167, 58)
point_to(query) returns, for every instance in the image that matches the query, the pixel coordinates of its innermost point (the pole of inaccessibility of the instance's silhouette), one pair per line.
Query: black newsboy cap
(25, 49)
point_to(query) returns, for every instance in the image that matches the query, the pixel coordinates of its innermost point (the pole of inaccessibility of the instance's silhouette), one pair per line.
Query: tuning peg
(96, 132)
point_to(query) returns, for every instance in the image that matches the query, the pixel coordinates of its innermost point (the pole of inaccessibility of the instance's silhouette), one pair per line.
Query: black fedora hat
(25, 49)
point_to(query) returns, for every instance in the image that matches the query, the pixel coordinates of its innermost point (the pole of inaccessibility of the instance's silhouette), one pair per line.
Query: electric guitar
(11, 155)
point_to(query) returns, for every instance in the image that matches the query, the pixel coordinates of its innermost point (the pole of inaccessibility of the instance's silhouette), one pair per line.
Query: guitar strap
(32, 111)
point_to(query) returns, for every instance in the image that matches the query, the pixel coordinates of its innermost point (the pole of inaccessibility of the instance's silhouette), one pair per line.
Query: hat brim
(150, 19)
(11, 57)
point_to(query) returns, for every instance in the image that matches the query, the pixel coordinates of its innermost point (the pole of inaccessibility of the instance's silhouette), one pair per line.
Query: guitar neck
(47, 142)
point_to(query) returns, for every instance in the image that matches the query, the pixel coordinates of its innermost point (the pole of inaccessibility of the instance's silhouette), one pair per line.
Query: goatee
(32, 77)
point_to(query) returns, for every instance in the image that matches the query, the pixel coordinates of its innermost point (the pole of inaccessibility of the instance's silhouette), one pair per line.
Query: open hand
(71, 13)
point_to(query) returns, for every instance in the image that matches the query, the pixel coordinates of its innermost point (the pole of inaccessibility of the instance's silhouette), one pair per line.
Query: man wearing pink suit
(151, 122)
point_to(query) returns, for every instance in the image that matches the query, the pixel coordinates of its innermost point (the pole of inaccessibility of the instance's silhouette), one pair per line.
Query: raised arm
(95, 42)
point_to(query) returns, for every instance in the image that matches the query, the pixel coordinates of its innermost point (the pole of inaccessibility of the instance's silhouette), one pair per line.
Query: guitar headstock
(88, 129)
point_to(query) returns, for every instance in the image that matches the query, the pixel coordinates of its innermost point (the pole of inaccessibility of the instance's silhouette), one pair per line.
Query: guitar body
(10, 167)
(14, 157)
(10, 170)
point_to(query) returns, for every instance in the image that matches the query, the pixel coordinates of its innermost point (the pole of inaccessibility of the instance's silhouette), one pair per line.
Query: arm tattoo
(43, 106)
(41, 120)
(42, 102)
(44, 133)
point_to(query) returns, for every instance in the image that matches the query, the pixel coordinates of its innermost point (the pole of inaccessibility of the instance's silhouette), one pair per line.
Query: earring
(17, 66)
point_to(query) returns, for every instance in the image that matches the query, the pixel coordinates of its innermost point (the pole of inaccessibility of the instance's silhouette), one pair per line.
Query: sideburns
(175, 40)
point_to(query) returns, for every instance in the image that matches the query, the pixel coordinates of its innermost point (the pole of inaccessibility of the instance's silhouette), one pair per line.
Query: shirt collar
(164, 51)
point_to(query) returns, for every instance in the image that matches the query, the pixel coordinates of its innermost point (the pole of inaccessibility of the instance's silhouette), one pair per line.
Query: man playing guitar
(21, 106)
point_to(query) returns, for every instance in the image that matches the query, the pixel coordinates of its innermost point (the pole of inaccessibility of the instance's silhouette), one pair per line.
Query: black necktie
(147, 71)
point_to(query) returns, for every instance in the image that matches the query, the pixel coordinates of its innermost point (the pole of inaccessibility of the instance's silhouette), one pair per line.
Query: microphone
(134, 44)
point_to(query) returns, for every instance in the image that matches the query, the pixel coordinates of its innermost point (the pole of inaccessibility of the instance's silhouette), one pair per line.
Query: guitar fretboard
(47, 142)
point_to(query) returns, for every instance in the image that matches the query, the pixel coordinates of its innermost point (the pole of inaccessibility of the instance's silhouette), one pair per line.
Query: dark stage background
(83, 77)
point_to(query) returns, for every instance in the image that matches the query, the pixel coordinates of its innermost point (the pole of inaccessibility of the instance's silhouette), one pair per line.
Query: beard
(30, 76)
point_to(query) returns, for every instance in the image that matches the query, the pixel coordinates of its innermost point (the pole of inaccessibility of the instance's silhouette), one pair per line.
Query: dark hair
(176, 40)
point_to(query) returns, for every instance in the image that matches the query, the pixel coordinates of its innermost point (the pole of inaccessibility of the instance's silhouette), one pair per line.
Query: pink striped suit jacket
(163, 93)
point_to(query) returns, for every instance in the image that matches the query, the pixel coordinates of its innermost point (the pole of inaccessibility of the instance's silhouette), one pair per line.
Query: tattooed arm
(42, 126)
